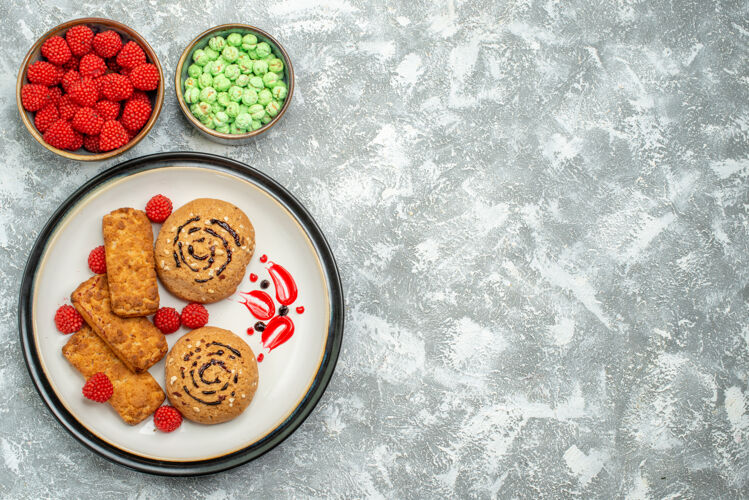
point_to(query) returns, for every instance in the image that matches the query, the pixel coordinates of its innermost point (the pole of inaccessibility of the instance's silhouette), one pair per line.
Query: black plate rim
(216, 464)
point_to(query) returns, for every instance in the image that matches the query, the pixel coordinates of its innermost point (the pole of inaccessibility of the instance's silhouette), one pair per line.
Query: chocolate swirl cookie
(211, 375)
(203, 250)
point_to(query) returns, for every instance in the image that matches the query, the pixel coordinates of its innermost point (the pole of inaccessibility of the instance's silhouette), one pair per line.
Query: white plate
(288, 376)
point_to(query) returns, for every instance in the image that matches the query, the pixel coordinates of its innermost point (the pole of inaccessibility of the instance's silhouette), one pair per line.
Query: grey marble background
(539, 209)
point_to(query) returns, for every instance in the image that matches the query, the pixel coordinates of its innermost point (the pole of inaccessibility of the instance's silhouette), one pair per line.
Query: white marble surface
(539, 209)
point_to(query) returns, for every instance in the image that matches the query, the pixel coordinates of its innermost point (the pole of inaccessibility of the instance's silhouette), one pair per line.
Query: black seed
(259, 326)
(283, 311)
(264, 284)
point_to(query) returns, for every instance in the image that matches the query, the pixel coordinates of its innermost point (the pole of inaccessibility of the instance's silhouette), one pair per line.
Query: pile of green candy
(235, 84)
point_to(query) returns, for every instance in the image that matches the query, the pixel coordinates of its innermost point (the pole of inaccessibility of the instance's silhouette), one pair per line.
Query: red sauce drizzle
(259, 304)
(279, 330)
(286, 291)
(260, 357)
(250, 331)
(253, 277)
(300, 310)
(263, 258)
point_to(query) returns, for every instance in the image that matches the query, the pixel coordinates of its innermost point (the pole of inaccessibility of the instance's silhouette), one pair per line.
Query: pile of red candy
(90, 90)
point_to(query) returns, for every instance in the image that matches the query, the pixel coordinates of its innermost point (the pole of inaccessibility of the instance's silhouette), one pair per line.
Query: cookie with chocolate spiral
(203, 249)
(211, 375)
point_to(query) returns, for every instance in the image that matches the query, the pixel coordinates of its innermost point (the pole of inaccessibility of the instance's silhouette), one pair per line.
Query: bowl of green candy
(234, 82)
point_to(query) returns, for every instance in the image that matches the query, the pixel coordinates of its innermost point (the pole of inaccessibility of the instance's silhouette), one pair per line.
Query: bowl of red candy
(90, 89)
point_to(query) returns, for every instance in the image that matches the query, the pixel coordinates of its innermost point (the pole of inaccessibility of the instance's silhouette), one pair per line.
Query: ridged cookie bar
(135, 396)
(131, 269)
(136, 341)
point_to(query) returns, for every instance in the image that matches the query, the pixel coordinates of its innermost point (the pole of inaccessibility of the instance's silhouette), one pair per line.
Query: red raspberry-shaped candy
(159, 208)
(84, 92)
(107, 43)
(60, 135)
(55, 93)
(92, 66)
(46, 117)
(72, 64)
(112, 136)
(194, 316)
(67, 107)
(56, 50)
(166, 319)
(98, 388)
(91, 143)
(135, 114)
(79, 39)
(69, 78)
(108, 110)
(139, 95)
(77, 141)
(67, 319)
(131, 55)
(116, 87)
(44, 73)
(87, 121)
(97, 261)
(167, 418)
(145, 77)
(34, 96)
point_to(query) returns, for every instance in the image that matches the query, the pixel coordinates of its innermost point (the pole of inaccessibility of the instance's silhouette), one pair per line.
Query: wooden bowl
(201, 41)
(96, 24)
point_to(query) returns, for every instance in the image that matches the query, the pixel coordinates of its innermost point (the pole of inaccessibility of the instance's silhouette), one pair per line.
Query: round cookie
(211, 375)
(203, 249)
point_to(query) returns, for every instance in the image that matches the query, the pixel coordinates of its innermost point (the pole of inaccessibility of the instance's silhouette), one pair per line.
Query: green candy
(224, 129)
(233, 129)
(256, 124)
(275, 65)
(217, 43)
(249, 97)
(220, 119)
(210, 125)
(208, 95)
(221, 83)
(263, 50)
(264, 97)
(257, 111)
(232, 109)
(218, 66)
(205, 80)
(257, 82)
(252, 53)
(194, 70)
(242, 80)
(245, 63)
(243, 109)
(266, 119)
(216, 107)
(223, 99)
(270, 80)
(232, 72)
(279, 91)
(195, 110)
(204, 109)
(272, 108)
(191, 83)
(230, 53)
(208, 66)
(249, 41)
(235, 93)
(200, 57)
(192, 95)
(212, 54)
(243, 121)
(260, 68)
(235, 39)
